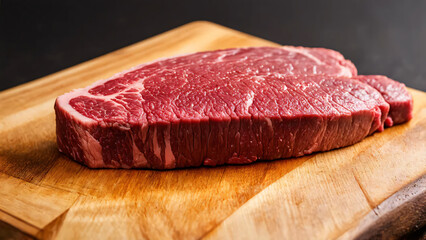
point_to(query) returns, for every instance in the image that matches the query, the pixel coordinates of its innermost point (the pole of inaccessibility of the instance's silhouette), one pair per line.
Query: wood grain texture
(321, 196)
(402, 213)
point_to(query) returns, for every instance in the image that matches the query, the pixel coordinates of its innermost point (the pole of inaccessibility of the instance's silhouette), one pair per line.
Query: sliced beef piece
(396, 94)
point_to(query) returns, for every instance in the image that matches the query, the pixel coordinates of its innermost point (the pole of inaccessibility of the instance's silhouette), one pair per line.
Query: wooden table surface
(321, 196)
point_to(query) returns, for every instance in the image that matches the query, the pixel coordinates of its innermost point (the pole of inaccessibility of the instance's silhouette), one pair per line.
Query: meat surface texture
(229, 106)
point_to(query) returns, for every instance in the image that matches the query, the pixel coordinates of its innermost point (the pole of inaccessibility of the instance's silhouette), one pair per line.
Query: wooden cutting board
(321, 196)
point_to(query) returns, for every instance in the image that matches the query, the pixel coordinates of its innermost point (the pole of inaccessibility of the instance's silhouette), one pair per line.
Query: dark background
(381, 37)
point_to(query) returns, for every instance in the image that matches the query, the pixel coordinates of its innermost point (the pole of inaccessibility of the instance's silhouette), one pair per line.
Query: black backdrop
(381, 37)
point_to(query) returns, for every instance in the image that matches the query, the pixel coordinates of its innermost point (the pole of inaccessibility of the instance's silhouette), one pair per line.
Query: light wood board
(321, 196)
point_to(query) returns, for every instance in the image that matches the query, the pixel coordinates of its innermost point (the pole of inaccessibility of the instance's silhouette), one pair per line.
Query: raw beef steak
(229, 106)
